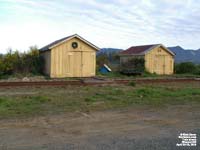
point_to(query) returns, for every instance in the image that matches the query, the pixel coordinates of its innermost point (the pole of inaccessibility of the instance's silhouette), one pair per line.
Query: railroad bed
(94, 81)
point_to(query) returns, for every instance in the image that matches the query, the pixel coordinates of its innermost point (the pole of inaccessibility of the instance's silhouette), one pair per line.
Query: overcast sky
(105, 23)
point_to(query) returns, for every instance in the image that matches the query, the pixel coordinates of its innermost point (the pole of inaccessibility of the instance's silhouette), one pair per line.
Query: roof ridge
(55, 43)
(146, 45)
(139, 50)
(142, 49)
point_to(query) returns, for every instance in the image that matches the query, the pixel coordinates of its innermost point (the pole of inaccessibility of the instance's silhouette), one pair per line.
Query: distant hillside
(108, 51)
(183, 55)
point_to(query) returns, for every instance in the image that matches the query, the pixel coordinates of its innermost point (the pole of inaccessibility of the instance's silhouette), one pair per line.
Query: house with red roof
(158, 58)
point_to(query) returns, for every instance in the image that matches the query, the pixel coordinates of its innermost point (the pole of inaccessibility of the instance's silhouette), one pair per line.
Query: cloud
(114, 23)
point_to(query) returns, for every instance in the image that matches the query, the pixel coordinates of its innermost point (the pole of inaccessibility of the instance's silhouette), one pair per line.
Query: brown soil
(133, 128)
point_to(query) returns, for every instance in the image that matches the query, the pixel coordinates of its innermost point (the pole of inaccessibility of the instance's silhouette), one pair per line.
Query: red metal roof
(137, 49)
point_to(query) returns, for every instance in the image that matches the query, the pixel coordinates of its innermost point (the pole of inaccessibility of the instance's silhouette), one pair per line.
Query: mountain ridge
(185, 55)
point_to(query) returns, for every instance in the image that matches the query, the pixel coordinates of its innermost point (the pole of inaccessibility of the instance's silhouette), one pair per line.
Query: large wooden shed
(158, 58)
(72, 56)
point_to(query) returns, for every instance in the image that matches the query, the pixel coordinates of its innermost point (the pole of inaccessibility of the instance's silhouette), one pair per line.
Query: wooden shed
(158, 58)
(72, 56)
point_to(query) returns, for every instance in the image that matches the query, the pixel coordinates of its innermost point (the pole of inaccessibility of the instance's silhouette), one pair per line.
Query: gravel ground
(133, 128)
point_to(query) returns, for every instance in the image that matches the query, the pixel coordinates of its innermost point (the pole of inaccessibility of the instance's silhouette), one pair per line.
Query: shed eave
(42, 51)
(79, 37)
(159, 45)
(131, 54)
(168, 50)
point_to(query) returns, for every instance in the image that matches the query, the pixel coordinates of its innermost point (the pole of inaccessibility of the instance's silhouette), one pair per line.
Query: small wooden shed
(158, 58)
(72, 56)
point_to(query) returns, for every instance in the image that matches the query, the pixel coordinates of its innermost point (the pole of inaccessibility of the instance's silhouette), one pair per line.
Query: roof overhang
(159, 45)
(131, 55)
(44, 51)
(168, 50)
(79, 37)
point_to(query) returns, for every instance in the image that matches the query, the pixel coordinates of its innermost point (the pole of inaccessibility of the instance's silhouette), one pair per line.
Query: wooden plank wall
(69, 62)
(159, 61)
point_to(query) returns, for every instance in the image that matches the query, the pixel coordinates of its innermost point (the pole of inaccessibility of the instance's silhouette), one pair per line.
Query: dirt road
(133, 128)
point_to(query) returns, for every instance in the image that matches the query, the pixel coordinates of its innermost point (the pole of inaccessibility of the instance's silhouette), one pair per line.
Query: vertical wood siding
(159, 61)
(69, 62)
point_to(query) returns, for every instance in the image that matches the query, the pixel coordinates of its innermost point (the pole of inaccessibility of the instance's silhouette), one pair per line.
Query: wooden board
(69, 62)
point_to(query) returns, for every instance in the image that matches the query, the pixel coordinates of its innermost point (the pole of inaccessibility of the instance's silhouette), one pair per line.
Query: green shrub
(198, 70)
(137, 64)
(132, 83)
(102, 59)
(186, 67)
(14, 62)
(133, 66)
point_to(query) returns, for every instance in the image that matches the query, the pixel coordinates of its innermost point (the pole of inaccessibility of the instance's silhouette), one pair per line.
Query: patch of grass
(19, 75)
(163, 95)
(147, 74)
(110, 95)
(88, 99)
(113, 74)
(186, 75)
(56, 100)
(132, 83)
(21, 105)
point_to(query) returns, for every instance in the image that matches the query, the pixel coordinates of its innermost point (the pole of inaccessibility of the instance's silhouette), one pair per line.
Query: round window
(74, 45)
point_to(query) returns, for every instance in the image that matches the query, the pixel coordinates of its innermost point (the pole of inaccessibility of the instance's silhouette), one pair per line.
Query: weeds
(58, 100)
(132, 83)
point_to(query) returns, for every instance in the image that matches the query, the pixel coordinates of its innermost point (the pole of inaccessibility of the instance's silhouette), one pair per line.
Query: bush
(134, 66)
(102, 59)
(132, 83)
(198, 70)
(186, 67)
(21, 63)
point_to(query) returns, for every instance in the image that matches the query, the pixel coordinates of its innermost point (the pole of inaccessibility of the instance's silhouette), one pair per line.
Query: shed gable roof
(142, 49)
(60, 41)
